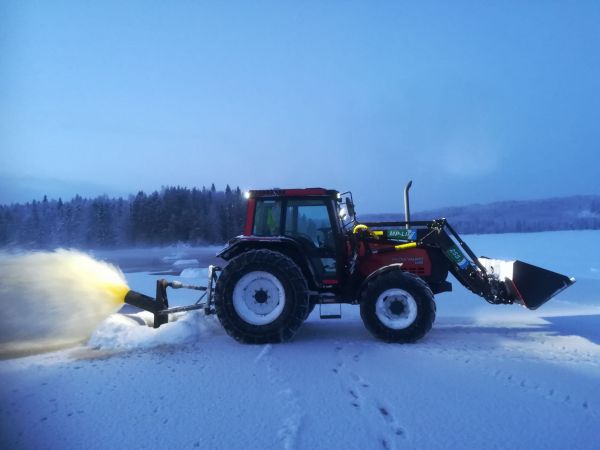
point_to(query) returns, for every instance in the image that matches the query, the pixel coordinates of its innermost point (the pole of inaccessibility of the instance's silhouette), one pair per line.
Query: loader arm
(497, 281)
(464, 264)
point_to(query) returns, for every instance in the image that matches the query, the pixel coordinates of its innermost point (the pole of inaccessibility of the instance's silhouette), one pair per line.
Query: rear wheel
(397, 307)
(261, 296)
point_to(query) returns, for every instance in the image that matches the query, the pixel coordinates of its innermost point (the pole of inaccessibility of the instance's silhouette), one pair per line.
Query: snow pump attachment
(159, 306)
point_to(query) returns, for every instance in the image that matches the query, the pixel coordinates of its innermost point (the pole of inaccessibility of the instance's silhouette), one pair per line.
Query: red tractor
(304, 247)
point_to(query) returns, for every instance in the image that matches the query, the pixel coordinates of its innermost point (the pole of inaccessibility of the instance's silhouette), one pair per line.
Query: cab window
(267, 218)
(309, 220)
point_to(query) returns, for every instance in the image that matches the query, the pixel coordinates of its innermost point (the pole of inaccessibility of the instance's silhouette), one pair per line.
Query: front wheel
(260, 297)
(397, 307)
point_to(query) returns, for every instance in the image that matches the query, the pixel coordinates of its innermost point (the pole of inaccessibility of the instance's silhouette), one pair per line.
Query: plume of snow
(52, 299)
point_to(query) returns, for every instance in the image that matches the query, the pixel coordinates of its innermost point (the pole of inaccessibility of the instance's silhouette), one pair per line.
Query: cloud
(469, 155)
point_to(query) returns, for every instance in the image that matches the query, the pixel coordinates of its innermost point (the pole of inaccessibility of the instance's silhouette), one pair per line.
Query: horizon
(233, 187)
(475, 103)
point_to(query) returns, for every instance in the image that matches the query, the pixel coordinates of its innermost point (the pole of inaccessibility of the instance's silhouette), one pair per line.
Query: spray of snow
(54, 299)
(123, 332)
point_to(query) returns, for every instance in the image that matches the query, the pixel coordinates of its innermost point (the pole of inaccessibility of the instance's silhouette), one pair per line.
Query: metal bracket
(209, 307)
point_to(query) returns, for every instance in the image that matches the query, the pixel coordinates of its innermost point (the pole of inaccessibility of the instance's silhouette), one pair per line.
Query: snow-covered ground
(484, 377)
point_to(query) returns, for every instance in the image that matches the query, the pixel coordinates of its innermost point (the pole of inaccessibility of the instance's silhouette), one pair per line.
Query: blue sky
(474, 101)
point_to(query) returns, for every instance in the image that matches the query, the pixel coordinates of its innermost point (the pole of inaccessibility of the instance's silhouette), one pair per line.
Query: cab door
(311, 223)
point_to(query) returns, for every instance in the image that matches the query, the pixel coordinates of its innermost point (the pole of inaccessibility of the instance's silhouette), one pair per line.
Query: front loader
(304, 247)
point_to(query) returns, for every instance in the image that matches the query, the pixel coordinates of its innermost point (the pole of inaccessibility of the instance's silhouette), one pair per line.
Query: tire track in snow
(291, 423)
(382, 422)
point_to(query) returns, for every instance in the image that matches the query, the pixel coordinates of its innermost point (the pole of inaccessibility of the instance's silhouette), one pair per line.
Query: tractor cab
(306, 222)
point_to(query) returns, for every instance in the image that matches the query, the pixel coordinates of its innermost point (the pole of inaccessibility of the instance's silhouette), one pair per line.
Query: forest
(208, 216)
(171, 215)
(580, 212)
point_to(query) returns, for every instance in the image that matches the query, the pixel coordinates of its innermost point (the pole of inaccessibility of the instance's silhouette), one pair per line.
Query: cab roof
(304, 192)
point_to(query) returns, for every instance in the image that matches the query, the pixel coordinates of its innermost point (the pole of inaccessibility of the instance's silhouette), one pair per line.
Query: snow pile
(502, 268)
(186, 263)
(128, 332)
(52, 299)
(194, 272)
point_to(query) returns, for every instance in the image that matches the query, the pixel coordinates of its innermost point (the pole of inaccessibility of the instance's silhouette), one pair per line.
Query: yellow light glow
(51, 298)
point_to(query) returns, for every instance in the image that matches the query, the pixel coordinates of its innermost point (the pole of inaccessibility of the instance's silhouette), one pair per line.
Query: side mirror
(350, 208)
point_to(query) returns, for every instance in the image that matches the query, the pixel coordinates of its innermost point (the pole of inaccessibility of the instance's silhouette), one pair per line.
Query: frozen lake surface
(485, 377)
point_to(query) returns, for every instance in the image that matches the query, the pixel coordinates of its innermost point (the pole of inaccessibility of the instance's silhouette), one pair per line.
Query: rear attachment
(159, 306)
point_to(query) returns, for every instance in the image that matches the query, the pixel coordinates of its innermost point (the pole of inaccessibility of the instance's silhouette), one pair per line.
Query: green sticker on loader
(457, 257)
(402, 234)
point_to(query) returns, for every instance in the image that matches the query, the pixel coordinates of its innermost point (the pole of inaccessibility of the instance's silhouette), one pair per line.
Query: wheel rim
(258, 298)
(396, 309)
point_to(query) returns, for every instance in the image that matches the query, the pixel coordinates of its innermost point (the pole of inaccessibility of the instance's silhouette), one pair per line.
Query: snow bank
(194, 272)
(128, 332)
(186, 263)
(51, 299)
(134, 331)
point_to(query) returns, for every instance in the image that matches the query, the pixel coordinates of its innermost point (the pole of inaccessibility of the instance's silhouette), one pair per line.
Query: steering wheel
(327, 236)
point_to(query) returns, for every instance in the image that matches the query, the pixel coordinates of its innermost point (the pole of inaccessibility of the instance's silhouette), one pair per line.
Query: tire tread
(421, 293)
(286, 326)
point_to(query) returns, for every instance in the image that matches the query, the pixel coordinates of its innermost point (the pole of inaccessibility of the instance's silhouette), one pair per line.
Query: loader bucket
(525, 283)
(534, 286)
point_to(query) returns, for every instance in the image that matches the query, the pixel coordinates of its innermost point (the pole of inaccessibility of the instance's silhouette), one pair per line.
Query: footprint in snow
(359, 380)
(355, 399)
(356, 389)
(548, 393)
(387, 416)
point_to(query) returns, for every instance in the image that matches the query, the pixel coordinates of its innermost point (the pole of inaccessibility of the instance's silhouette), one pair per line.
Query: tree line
(207, 216)
(580, 212)
(171, 215)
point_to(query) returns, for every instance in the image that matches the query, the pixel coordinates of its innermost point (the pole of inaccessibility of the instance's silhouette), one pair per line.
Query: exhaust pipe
(407, 205)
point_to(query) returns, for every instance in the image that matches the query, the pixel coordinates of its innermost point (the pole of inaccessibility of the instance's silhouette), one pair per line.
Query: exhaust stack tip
(407, 204)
